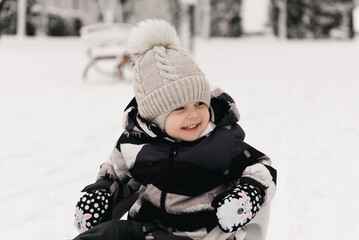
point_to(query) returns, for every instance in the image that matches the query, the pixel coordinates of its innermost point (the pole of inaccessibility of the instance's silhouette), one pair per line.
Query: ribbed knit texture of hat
(165, 77)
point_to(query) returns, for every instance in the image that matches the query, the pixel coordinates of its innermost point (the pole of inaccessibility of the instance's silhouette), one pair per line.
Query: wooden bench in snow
(106, 42)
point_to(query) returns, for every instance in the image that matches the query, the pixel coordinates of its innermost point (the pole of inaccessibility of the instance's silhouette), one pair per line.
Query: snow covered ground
(298, 101)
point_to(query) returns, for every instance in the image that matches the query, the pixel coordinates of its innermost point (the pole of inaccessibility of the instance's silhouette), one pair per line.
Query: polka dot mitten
(95, 206)
(237, 207)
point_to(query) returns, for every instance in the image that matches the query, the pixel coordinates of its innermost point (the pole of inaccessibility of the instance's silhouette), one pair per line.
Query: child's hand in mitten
(237, 207)
(95, 206)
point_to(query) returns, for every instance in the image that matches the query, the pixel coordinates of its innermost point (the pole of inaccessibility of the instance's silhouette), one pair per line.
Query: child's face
(188, 121)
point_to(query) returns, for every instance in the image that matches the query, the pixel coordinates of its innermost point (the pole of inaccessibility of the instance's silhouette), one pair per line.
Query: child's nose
(192, 114)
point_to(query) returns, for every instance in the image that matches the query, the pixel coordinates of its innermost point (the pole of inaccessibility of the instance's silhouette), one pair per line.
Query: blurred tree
(187, 26)
(137, 10)
(8, 9)
(8, 17)
(111, 10)
(179, 13)
(202, 18)
(226, 20)
(56, 26)
(278, 15)
(315, 18)
(59, 26)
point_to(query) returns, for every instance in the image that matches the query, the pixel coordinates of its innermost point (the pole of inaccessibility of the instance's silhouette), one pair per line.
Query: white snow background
(298, 102)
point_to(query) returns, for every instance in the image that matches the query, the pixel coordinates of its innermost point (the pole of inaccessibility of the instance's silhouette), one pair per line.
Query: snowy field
(298, 100)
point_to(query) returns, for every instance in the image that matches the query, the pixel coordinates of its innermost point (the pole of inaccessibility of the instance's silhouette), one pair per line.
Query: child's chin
(190, 138)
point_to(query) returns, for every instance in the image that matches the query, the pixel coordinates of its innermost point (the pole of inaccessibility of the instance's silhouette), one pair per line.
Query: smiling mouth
(190, 127)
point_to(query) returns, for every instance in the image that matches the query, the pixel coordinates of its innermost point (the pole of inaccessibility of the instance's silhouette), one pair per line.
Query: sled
(106, 43)
(256, 229)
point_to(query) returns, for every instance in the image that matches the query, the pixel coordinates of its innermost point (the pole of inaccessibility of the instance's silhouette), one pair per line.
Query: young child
(182, 152)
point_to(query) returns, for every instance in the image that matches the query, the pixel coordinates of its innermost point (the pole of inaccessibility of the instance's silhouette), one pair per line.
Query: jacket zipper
(164, 191)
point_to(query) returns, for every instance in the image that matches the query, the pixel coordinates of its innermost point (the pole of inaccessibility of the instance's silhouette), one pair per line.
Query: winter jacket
(177, 180)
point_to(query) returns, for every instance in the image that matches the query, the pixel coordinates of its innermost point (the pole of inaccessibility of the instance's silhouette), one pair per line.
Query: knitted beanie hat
(165, 77)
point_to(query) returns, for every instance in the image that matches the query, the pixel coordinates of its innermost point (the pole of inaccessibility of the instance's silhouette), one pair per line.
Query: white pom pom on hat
(165, 77)
(150, 33)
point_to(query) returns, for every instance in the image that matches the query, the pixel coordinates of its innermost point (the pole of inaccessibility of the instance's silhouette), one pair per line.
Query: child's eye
(179, 109)
(199, 103)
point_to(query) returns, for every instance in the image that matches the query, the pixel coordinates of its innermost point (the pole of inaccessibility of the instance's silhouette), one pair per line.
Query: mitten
(237, 207)
(95, 206)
